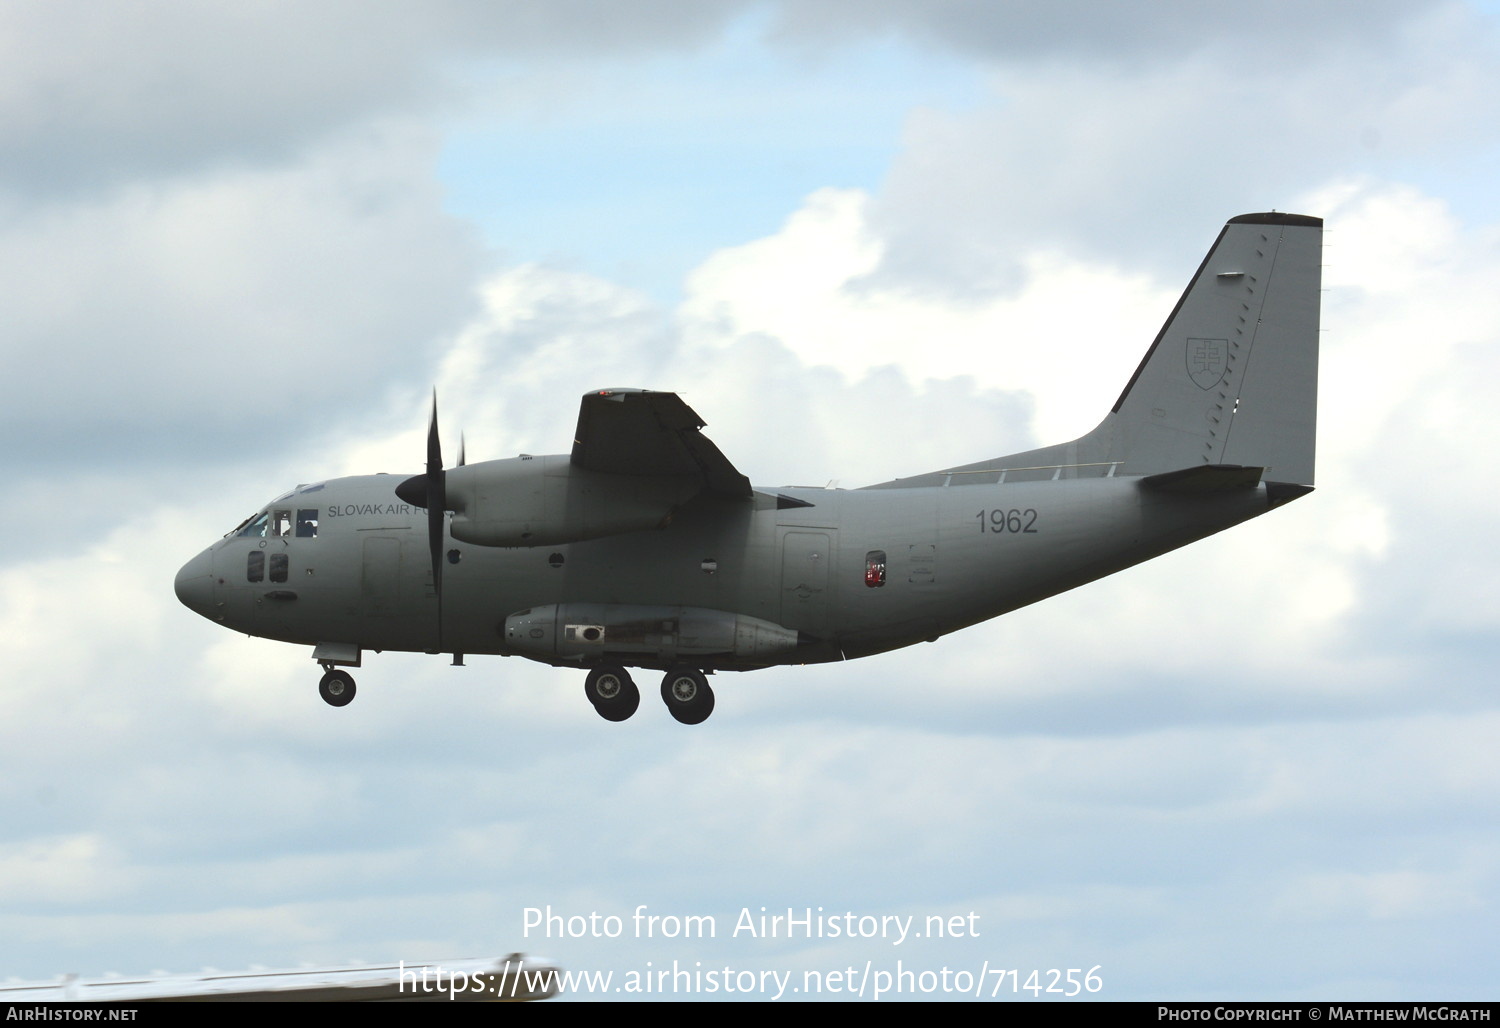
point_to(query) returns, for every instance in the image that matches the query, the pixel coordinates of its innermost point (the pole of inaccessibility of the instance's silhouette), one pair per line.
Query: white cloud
(1071, 338)
(60, 870)
(1411, 319)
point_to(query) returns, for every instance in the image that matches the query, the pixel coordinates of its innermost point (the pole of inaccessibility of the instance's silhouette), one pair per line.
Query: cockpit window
(307, 524)
(256, 526)
(281, 523)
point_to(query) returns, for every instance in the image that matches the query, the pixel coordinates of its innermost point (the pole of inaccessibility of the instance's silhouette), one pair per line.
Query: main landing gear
(336, 688)
(612, 693)
(686, 693)
(684, 690)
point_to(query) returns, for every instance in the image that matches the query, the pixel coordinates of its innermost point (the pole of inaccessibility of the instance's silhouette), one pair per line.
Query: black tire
(686, 692)
(337, 688)
(612, 693)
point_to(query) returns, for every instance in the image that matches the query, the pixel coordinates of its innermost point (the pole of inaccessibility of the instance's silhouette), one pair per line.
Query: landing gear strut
(336, 688)
(612, 692)
(686, 693)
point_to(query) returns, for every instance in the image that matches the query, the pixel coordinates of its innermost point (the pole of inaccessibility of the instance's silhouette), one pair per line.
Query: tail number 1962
(999, 522)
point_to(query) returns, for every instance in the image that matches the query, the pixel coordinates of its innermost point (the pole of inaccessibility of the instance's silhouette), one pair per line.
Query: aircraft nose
(195, 584)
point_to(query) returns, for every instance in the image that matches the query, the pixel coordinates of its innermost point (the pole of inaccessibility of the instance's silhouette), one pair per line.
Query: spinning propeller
(430, 491)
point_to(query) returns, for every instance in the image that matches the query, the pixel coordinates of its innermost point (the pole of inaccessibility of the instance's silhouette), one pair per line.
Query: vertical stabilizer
(1232, 377)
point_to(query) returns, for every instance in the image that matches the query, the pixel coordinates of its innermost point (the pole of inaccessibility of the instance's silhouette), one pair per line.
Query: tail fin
(1232, 378)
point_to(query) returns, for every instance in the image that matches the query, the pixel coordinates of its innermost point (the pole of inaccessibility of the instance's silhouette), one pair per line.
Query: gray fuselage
(851, 573)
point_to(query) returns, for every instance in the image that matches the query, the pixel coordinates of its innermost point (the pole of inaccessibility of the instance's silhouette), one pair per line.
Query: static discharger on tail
(644, 548)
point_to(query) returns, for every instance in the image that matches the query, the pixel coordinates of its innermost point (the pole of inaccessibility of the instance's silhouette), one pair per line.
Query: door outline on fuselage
(807, 568)
(380, 577)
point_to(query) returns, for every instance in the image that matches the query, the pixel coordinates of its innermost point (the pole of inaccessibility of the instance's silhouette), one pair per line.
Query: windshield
(278, 523)
(254, 525)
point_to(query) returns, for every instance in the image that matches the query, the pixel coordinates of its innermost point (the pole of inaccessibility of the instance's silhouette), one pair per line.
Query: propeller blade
(434, 444)
(437, 503)
(430, 490)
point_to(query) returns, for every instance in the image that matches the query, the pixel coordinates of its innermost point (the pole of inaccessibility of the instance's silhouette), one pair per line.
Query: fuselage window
(255, 566)
(278, 567)
(307, 524)
(281, 523)
(875, 569)
(256, 526)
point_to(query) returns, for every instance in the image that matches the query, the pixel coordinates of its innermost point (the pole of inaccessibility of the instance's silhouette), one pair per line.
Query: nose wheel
(686, 693)
(612, 693)
(337, 688)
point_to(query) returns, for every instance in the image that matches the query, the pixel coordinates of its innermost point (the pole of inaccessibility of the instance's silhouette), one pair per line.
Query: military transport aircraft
(645, 548)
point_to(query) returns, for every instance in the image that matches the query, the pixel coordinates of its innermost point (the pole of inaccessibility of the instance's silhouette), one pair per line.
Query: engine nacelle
(540, 501)
(587, 631)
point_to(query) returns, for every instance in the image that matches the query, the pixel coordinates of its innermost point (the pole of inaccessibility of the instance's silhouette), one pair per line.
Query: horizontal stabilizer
(1278, 493)
(1207, 478)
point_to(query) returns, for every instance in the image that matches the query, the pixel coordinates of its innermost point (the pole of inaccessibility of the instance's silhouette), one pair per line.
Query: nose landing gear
(336, 688)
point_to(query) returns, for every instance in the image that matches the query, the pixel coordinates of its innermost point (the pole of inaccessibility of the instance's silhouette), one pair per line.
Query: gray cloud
(1101, 34)
(92, 97)
(176, 322)
(1115, 164)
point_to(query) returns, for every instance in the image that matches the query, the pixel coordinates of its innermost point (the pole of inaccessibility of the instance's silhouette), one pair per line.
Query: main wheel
(686, 693)
(612, 693)
(337, 688)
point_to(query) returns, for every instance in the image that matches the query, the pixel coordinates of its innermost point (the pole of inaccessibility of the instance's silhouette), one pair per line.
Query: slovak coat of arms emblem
(1207, 360)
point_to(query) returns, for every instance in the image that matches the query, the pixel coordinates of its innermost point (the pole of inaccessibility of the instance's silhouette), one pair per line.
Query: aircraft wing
(640, 432)
(512, 978)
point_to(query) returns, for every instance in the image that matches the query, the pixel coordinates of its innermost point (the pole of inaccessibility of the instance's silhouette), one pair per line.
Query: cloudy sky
(239, 245)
